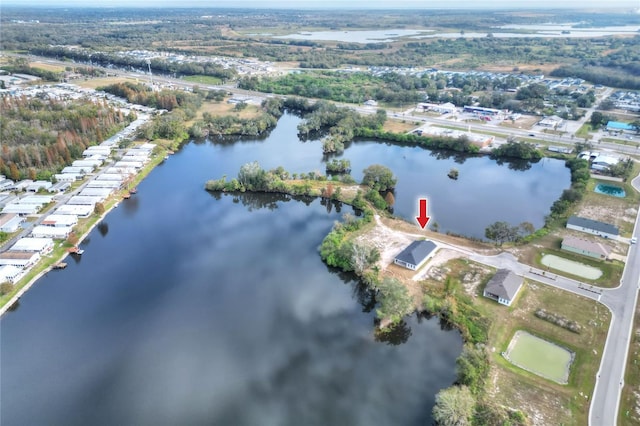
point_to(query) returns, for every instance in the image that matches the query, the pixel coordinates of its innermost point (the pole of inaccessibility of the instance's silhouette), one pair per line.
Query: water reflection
(395, 335)
(103, 228)
(131, 204)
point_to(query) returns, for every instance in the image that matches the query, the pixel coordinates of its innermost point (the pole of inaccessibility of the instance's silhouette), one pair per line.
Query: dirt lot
(399, 126)
(524, 122)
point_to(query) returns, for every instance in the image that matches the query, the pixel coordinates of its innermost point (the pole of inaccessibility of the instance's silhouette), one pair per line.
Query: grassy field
(224, 108)
(611, 270)
(539, 356)
(583, 132)
(202, 79)
(571, 267)
(395, 126)
(105, 81)
(47, 67)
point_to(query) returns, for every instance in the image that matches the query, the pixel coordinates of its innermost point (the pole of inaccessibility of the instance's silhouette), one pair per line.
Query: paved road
(622, 302)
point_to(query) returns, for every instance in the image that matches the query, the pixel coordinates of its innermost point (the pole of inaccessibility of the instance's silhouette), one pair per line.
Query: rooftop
(586, 245)
(416, 252)
(593, 224)
(504, 284)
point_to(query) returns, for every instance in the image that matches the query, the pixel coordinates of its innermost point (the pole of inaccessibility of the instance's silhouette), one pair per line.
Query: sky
(349, 4)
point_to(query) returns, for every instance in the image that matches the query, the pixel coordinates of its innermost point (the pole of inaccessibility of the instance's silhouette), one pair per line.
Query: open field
(105, 81)
(224, 108)
(539, 356)
(546, 402)
(202, 79)
(620, 212)
(543, 401)
(399, 126)
(47, 67)
(571, 267)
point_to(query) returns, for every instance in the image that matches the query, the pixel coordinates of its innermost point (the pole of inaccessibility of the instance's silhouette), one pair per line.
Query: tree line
(40, 136)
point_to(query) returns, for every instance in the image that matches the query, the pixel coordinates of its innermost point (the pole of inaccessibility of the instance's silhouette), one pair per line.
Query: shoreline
(16, 297)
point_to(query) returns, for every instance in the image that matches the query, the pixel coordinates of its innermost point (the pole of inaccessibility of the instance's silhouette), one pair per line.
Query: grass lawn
(47, 67)
(202, 79)
(583, 132)
(611, 270)
(104, 81)
(571, 267)
(540, 356)
(224, 108)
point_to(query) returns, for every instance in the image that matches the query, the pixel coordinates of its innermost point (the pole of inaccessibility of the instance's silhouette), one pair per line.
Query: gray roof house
(414, 255)
(503, 287)
(594, 227)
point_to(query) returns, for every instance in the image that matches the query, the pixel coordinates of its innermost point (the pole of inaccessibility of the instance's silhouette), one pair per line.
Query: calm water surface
(188, 308)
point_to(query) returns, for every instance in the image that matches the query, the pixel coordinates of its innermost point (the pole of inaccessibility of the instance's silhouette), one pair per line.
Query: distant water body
(514, 31)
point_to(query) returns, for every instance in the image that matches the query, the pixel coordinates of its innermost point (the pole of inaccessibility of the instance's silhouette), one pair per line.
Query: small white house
(594, 227)
(84, 200)
(103, 184)
(503, 287)
(33, 244)
(76, 210)
(10, 273)
(38, 185)
(21, 259)
(416, 254)
(10, 222)
(55, 232)
(103, 193)
(21, 209)
(68, 177)
(60, 220)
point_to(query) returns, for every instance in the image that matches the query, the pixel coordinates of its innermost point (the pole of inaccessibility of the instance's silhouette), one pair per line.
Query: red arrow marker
(423, 219)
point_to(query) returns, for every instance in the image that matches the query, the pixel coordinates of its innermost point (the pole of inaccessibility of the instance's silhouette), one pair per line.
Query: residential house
(503, 287)
(586, 247)
(602, 229)
(416, 254)
(10, 222)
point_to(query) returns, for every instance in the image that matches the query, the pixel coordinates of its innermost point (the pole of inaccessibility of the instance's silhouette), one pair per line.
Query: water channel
(190, 308)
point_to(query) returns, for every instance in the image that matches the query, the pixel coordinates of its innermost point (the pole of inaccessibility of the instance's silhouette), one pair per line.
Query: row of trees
(142, 94)
(40, 136)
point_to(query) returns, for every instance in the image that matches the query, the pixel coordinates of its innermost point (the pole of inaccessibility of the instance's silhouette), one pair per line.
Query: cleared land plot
(571, 267)
(202, 79)
(98, 82)
(540, 357)
(47, 67)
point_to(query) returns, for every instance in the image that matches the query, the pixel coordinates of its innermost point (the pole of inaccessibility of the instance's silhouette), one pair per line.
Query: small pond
(614, 191)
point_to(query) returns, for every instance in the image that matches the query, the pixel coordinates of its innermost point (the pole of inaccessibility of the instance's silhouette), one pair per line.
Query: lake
(193, 308)
(537, 31)
(484, 193)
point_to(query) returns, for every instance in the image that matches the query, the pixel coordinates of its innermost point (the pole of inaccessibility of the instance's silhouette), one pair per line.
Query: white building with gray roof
(416, 254)
(590, 226)
(503, 287)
